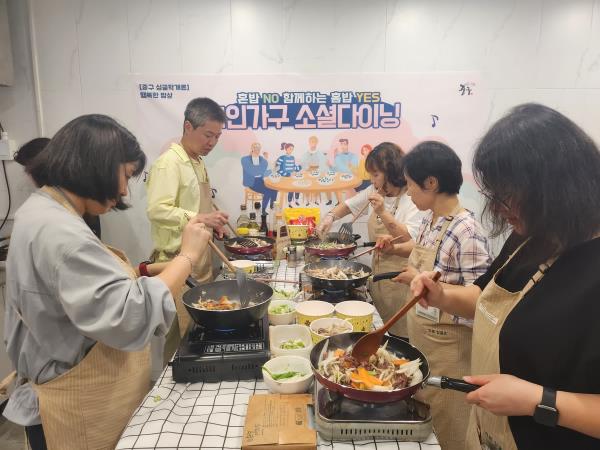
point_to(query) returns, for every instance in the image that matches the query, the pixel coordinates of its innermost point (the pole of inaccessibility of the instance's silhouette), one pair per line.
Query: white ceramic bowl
(286, 363)
(346, 176)
(275, 178)
(311, 310)
(345, 327)
(282, 333)
(286, 293)
(285, 318)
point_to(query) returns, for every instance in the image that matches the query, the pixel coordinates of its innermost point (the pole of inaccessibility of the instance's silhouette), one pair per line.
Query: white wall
(528, 50)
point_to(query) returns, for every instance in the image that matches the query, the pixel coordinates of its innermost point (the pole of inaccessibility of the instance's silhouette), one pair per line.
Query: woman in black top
(540, 174)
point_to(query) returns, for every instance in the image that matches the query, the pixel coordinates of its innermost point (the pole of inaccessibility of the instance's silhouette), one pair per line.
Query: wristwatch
(546, 413)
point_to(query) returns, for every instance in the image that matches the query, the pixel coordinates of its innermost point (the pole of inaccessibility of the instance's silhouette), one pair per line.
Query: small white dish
(282, 318)
(281, 334)
(288, 363)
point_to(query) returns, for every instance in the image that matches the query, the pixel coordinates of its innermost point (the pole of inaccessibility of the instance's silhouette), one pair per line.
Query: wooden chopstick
(228, 224)
(397, 238)
(221, 255)
(363, 209)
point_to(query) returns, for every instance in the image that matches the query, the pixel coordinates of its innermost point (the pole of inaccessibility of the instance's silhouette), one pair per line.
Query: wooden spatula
(370, 342)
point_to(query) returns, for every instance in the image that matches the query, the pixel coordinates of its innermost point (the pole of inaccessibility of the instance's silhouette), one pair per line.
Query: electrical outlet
(8, 147)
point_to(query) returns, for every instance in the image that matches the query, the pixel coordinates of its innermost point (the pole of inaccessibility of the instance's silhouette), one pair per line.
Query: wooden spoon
(370, 342)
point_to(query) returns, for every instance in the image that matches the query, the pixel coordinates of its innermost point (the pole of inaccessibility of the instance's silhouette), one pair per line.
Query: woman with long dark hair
(535, 335)
(78, 322)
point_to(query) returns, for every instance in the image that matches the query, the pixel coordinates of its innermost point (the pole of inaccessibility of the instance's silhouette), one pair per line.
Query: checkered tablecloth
(211, 415)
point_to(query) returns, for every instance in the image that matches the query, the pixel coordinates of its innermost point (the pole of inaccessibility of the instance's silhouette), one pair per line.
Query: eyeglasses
(502, 203)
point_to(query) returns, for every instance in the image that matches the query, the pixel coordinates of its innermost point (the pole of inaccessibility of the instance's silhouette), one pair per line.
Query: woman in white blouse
(391, 212)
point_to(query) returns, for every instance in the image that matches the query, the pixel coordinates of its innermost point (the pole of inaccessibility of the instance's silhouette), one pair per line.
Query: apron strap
(448, 220)
(536, 277)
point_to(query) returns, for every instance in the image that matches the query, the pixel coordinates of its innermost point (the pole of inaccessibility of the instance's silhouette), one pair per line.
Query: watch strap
(546, 412)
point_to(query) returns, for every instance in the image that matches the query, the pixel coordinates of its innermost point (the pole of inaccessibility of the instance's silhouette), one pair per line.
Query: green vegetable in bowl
(292, 344)
(283, 376)
(281, 309)
(282, 293)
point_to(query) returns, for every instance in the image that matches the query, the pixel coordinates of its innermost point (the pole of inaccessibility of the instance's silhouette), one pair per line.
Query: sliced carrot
(339, 352)
(400, 361)
(365, 375)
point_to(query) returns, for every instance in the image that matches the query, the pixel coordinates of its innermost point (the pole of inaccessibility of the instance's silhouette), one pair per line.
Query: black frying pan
(311, 246)
(228, 244)
(259, 294)
(339, 285)
(402, 349)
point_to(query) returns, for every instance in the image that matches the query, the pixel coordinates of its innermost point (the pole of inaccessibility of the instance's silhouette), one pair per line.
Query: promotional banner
(305, 137)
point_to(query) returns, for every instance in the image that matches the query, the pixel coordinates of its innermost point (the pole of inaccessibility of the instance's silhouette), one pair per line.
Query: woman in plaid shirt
(451, 241)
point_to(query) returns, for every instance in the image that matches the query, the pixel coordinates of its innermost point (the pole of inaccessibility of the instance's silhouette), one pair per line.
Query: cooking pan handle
(385, 276)
(452, 383)
(368, 244)
(191, 282)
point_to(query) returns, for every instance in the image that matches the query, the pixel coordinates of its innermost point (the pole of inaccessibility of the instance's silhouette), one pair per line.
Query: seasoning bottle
(292, 257)
(243, 219)
(253, 225)
(263, 231)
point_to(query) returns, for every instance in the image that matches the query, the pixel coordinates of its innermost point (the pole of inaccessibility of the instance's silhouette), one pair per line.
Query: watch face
(546, 415)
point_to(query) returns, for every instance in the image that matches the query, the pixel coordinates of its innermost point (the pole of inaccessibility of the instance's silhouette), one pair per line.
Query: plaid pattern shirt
(464, 253)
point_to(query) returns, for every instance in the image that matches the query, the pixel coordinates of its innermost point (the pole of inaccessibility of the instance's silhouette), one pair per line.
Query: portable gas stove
(339, 418)
(213, 355)
(310, 293)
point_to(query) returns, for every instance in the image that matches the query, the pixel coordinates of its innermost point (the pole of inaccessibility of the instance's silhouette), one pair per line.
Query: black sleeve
(511, 244)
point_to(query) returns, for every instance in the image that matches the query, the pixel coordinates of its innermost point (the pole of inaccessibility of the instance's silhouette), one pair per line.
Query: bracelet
(189, 260)
(143, 268)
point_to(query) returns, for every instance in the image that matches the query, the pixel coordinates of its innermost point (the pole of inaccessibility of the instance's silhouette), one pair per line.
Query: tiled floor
(12, 436)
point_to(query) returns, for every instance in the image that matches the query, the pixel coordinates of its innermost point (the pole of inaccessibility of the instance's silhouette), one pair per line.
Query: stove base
(346, 420)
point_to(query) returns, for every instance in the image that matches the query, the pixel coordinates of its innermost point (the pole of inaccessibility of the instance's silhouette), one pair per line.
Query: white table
(211, 415)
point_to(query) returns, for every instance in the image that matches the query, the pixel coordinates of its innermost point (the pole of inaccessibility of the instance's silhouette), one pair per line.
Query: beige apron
(447, 347)
(89, 406)
(486, 430)
(388, 297)
(202, 273)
